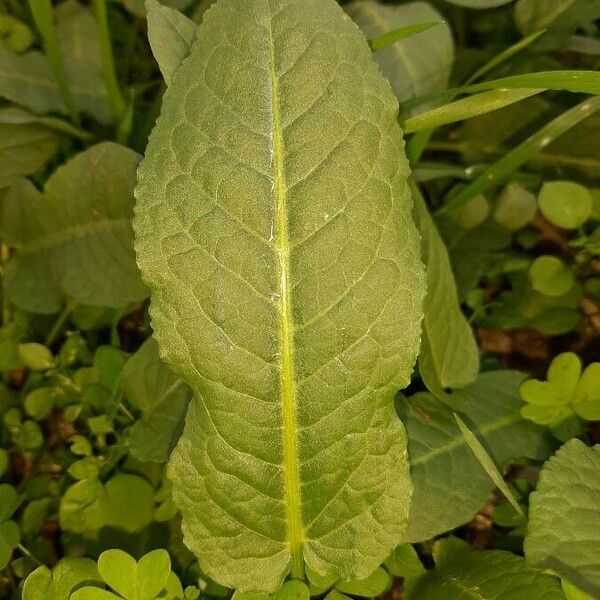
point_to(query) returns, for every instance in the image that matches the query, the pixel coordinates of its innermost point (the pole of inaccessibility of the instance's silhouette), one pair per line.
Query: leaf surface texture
(274, 230)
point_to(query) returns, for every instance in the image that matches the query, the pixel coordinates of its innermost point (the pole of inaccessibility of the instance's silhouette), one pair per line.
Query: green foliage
(281, 233)
(147, 579)
(486, 575)
(448, 357)
(565, 204)
(450, 483)
(59, 582)
(567, 395)
(9, 530)
(564, 526)
(74, 241)
(415, 66)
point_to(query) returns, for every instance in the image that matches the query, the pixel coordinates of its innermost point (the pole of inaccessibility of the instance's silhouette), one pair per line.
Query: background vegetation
(507, 199)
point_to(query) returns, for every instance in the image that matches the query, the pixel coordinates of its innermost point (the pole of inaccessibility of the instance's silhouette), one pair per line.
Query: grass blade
(584, 82)
(391, 37)
(44, 19)
(117, 104)
(509, 163)
(418, 143)
(468, 107)
(504, 56)
(485, 460)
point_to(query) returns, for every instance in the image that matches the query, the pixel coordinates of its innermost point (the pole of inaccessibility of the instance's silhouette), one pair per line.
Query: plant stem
(117, 105)
(59, 324)
(28, 554)
(44, 19)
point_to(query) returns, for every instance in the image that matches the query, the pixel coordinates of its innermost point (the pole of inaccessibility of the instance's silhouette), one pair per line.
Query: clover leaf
(566, 396)
(10, 536)
(146, 579)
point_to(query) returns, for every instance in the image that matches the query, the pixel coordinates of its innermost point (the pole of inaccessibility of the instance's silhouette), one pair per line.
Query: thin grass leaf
(584, 82)
(117, 104)
(487, 463)
(418, 143)
(509, 163)
(44, 19)
(466, 108)
(391, 37)
(504, 56)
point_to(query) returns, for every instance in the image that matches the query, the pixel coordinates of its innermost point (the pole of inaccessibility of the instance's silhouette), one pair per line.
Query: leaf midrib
(73, 233)
(459, 440)
(291, 465)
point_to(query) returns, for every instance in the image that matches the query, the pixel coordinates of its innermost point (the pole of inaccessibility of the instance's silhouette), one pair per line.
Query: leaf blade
(248, 473)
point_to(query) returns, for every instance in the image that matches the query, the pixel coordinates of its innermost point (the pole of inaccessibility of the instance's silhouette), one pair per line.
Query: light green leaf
(564, 521)
(292, 590)
(24, 150)
(492, 575)
(586, 397)
(36, 357)
(518, 156)
(465, 108)
(515, 207)
(487, 463)
(282, 256)
(566, 204)
(450, 484)
(374, 585)
(551, 276)
(141, 580)
(75, 240)
(415, 66)
(58, 584)
(388, 38)
(163, 399)
(448, 357)
(39, 403)
(126, 502)
(171, 35)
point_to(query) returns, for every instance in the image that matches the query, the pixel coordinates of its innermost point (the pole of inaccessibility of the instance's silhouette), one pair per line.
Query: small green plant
(567, 396)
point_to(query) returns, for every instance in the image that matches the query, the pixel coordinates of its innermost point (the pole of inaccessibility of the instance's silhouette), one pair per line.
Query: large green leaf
(27, 80)
(75, 239)
(492, 575)
(564, 521)
(450, 485)
(448, 357)
(274, 231)
(163, 399)
(418, 65)
(24, 150)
